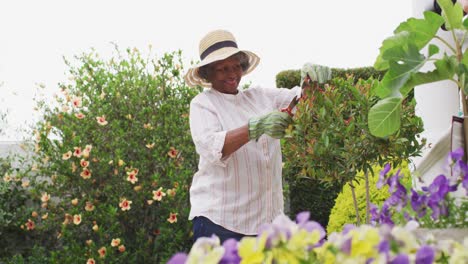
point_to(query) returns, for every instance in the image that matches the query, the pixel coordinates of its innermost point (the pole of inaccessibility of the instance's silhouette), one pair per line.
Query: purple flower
(346, 246)
(398, 198)
(465, 183)
(425, 255)
(384, 247)
(418, 203)
(400, 259)
(179, 258)
(382, 176)
(231, 256)
(456, 155)
(302, 217)
(303, 222)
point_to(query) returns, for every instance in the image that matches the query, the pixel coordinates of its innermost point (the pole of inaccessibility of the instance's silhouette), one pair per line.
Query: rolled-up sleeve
(207, 133)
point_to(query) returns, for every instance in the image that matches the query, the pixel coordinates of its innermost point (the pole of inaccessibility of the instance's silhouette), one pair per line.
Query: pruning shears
(296, 98)
(310, 73)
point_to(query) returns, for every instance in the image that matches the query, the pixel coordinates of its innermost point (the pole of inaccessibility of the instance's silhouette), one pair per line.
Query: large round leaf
(384, 117)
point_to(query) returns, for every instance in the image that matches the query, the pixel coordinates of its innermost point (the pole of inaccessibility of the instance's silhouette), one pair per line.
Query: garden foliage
(116, 160)
(343, 210)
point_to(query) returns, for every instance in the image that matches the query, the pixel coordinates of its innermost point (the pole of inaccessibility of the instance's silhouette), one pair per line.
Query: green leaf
(418, 32)
(384, 117)
(402, 63)
(433, 49)
(452, 14)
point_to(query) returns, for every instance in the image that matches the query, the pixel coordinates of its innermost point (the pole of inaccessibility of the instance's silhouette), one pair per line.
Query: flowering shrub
(433, 206)
(117, 158)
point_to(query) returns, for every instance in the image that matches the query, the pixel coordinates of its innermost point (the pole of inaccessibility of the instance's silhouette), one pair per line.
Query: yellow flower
(171, 192)
(149, 202)
(115, 242)
(44, 217)
(74, 201)
(150, 146)
(89, 242)
(147, 126)
(121, 163)
(34, 214)
(95, 228)
(364, 241)
(251, 250)
(137, 188)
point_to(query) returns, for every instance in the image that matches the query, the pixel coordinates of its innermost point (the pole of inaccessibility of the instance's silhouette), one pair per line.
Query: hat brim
(192, 78)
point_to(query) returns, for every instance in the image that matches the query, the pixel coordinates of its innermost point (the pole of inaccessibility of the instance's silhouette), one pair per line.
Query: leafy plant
(330, 139)
(343, 212)
(401, 55)
(117, 158)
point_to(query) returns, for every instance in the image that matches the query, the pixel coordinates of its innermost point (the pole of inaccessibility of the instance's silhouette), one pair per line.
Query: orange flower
(158, 195)
(91, 261)
(44, 217)
(150, 146)
(30, 225)
(121, 248)
(77, 152)
(74, 201)
(77, 219)
(85, 174)
(84, 163)
(89, 206)
(45, 197)
(125, 204)
(172, 152)
(102, 252)
(101, 120)
(115, 242)
(95, 228)
(80, 115)
(76, 102)
(89, 242)
(120, 163)
(172, 218)
(67, 155)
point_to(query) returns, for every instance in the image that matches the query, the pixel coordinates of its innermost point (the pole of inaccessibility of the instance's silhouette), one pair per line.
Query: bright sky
(35, 35)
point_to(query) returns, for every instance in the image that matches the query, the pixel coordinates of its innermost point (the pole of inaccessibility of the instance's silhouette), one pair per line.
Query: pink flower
(66, 156)
(102, 252)
(45, 197)
(132, 177)
(172, 152)
(84, 163)
(77, 152)
(91, 261)
(80, 115)
(125, 204)
(172, 218)
(76, 102)
(101, 120)
(158, 195)
(85, 174)
(77, 219)
(30, 225)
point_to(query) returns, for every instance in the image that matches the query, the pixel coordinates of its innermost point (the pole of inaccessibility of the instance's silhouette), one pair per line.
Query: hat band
(217, 46)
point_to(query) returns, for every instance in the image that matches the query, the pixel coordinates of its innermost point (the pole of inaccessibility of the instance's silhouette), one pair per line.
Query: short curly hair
(244, 62)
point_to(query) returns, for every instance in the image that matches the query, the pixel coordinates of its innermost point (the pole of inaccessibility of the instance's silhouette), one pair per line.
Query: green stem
(358, 219)
(446, 43)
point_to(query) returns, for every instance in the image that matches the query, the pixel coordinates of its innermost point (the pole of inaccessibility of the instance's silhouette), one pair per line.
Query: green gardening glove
(272, 124)
(317, 73)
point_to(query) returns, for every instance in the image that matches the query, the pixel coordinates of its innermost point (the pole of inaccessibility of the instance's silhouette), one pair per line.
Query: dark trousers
(203, 227)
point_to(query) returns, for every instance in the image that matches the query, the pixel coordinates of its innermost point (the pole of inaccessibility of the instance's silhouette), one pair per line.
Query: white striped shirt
(243, 190)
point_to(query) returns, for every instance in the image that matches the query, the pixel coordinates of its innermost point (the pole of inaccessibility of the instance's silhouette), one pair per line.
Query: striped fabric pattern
(244, 190)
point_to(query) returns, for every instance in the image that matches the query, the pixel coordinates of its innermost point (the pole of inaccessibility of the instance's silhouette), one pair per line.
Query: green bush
(291, 78)
(117, 156)
(344, 213)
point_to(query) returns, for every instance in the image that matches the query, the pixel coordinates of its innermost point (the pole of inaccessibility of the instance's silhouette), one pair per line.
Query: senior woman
(238, 185)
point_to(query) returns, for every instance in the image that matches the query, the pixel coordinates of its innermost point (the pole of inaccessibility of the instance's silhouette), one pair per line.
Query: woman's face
(225, 75)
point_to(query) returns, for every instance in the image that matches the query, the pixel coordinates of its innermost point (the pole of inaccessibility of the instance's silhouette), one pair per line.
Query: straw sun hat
(215, 46)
